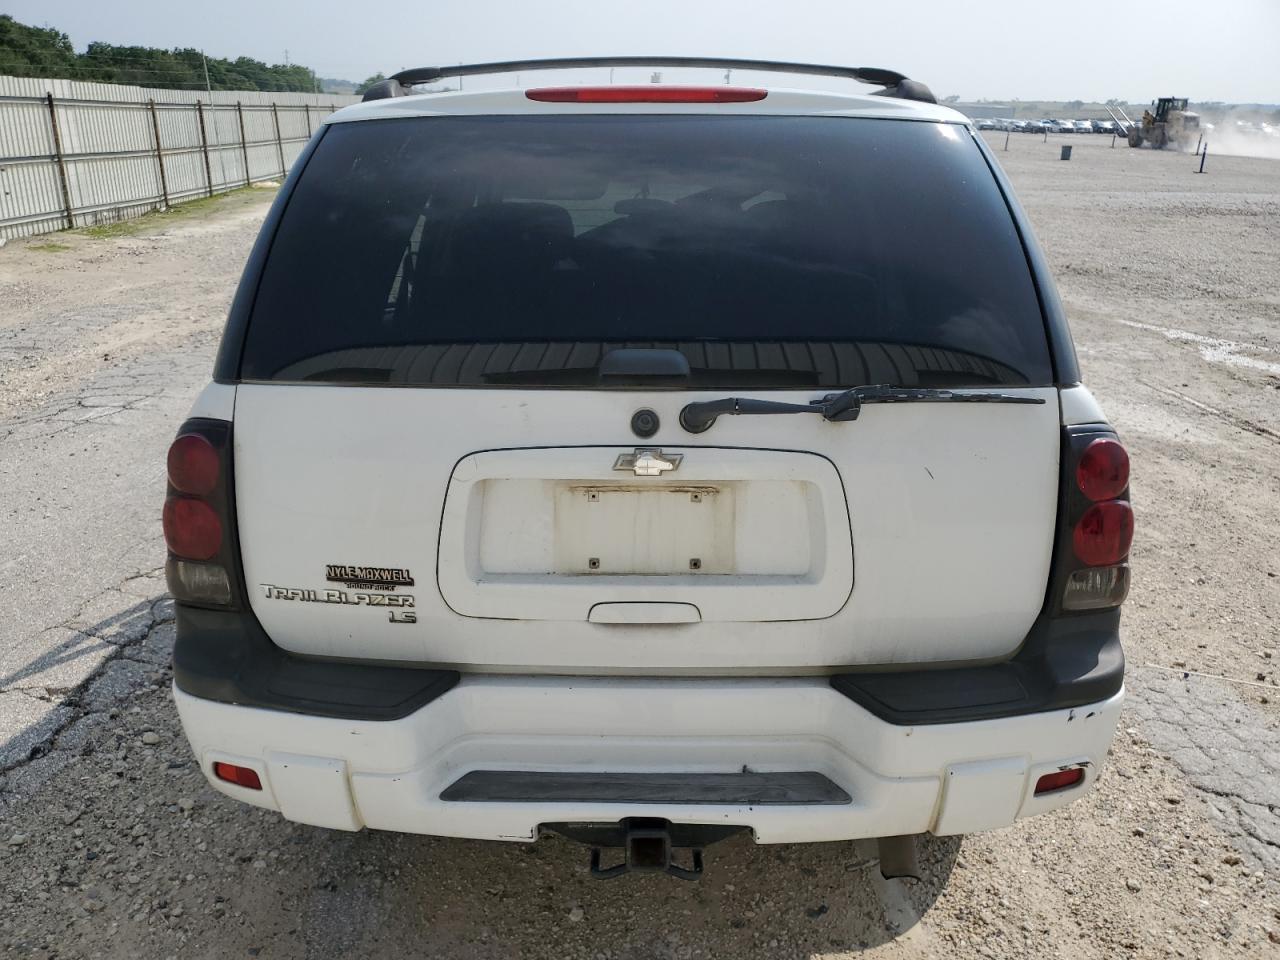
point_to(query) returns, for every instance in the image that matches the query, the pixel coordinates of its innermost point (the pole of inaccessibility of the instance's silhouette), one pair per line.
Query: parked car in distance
(985, 123)
(1083, 126)
(1104, 126)
(524, 500)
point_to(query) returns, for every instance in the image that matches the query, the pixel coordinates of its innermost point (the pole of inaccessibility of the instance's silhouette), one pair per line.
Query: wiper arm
(836, 407)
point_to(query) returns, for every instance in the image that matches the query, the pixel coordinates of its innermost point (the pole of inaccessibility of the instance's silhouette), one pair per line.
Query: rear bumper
(358, 745)
(1063, 662)
(947, 778)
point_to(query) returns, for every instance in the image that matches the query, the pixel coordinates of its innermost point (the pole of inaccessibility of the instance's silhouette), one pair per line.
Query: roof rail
(895, 84)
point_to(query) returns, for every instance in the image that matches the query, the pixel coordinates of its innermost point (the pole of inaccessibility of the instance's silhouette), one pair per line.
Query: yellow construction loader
(1171, 124)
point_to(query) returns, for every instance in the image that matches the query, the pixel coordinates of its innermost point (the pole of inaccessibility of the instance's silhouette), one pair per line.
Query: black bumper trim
(227, 657)
(1065, 662)
(733, 789)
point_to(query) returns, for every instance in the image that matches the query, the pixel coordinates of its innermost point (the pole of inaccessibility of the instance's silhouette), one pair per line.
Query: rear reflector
(1096, 588)
(1104, 534)
(240, 776)
(191, 528)
(1060, 780)
(651, 93)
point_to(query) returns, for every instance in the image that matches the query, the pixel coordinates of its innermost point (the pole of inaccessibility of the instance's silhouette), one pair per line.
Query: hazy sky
(1030, 49)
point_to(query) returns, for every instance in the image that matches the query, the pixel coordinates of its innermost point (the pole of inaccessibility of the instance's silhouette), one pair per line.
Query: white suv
(646, 464)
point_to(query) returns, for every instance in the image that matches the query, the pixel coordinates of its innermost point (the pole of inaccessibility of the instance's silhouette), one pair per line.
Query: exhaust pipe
(898, 857)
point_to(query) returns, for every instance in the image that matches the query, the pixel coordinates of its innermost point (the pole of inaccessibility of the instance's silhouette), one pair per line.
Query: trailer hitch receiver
(646, 844)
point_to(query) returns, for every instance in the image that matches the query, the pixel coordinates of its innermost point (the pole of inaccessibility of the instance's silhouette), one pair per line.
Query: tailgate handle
(644, 613)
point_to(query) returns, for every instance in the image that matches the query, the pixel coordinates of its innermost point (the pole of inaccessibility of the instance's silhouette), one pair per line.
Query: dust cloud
(1236, 140)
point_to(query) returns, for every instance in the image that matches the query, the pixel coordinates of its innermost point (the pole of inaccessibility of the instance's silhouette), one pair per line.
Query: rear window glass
(772, 251)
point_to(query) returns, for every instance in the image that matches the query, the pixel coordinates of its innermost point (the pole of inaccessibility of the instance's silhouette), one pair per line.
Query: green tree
(33, 51)
(27, 51)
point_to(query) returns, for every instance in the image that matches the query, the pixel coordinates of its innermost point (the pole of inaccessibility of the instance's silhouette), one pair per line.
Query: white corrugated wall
(110, 168)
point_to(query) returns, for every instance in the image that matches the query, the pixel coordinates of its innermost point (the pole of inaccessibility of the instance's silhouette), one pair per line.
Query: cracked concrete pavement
(99, 361)
(1212, 735)
(111, 844)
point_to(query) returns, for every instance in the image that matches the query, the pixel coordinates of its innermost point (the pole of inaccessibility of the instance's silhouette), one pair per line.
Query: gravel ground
(112, 846)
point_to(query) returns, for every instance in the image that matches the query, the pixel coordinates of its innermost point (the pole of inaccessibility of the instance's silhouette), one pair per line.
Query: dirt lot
(111, 845)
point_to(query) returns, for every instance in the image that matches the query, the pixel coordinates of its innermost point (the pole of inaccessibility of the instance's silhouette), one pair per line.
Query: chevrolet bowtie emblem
(647, 462)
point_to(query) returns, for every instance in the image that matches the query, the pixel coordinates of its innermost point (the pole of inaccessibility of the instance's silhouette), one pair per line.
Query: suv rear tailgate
(950, 520)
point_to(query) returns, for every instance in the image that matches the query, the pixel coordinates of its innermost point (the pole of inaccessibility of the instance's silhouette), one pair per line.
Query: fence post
(204, 145)
(307, 107)
(275, 115)
(244, 144)
(62, 164)
(155, 128)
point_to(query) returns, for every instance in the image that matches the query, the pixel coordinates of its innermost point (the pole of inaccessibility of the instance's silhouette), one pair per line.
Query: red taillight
(193, 465)
(1103, 470)
(202, 568)
(1090, 572)
(240, 776)
(1103, 535)
(651, 93)
(191, 528)
(1059, 780)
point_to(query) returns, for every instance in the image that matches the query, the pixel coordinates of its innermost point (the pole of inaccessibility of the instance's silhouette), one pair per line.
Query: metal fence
(78, 154)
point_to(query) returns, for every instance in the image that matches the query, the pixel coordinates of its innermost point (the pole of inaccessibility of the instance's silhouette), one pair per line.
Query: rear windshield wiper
(837, 407)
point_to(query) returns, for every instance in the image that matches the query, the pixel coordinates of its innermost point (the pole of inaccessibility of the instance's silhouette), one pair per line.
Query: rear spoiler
(895, 84)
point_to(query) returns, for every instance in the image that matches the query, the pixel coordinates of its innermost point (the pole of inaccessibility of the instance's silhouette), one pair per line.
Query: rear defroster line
(837, 407)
